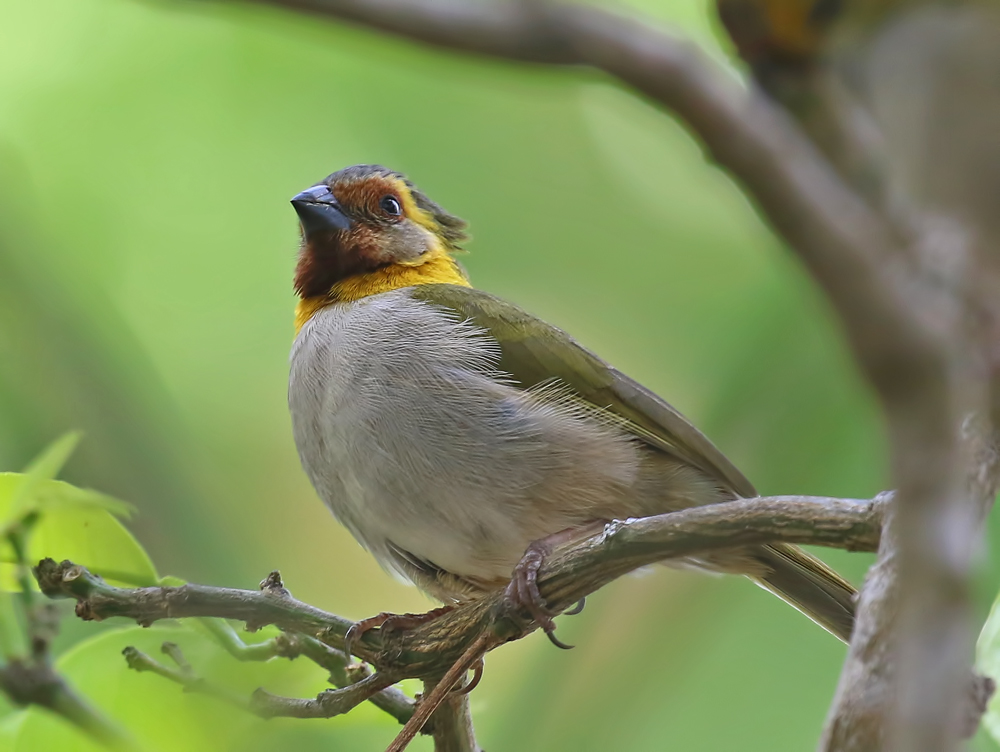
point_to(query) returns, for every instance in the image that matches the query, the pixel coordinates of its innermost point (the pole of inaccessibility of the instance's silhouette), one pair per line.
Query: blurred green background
(148, 151)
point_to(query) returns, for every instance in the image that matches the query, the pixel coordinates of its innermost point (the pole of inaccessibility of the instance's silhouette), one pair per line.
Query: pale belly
(412, 439)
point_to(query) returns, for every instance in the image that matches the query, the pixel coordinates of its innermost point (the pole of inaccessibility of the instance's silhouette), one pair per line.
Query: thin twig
(226, 636)
(327, 704)
(393, 701)
(264, 704)
(293, 644)
(439, 693)
(98, 600)
(183, 675)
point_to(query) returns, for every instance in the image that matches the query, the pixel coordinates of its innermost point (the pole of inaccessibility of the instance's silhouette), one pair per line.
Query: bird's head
(367, 229)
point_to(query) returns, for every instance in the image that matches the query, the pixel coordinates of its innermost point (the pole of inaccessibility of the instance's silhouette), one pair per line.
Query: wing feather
(534, 352)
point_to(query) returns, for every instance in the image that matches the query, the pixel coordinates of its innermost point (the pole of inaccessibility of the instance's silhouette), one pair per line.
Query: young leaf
(46, 494)
(44, 467)
(988, 663)
(97, 540)
(12, 640)
(75, 524)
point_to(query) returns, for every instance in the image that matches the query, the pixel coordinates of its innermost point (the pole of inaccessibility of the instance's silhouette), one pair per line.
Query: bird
(459, 438)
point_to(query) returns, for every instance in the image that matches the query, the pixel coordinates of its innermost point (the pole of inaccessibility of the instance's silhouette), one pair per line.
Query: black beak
(318, 211)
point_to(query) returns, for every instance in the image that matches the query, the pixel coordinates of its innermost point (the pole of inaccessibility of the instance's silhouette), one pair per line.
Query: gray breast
(416, 442)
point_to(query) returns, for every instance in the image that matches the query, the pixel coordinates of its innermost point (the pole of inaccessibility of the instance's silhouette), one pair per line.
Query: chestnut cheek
(323, 262)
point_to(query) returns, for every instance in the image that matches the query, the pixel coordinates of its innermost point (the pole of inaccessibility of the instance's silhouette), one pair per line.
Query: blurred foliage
(69, 522)
(148, 151)
(39, 516)
(988, 663)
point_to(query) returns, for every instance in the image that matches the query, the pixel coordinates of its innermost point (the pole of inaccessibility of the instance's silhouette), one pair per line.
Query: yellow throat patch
(436, 267)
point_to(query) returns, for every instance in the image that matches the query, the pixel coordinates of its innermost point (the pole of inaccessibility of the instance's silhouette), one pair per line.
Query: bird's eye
(390, 206)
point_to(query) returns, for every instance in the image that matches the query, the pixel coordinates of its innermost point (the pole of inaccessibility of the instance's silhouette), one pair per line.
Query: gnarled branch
(569, 574)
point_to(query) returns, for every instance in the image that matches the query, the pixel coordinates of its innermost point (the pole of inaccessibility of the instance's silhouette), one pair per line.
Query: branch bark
(452, 729)
(568, 575)
(917, 85)
(391, 700)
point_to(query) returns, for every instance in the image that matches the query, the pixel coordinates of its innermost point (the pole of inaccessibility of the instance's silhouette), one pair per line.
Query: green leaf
(44, 467)
(10, 727)
(20, 494)
(170, 580)
(12, 640)
(97, 540)
(54, 456)
(75, 524)
(162, 717)
(36, 490)
(988, 663)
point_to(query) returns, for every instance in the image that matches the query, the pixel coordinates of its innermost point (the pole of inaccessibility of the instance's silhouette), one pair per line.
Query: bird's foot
(523, 588)
(389, 622)
(522, 591)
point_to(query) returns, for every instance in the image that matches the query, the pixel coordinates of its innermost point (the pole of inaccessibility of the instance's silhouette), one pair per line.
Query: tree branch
(944, 444)
(446, 646)
(182, 674)
(326, 704)
(568, 574)
(452, 724)
(291, 645)
(518, 30)
(391, 700)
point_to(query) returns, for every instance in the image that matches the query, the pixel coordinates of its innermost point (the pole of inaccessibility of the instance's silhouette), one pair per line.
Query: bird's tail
(810, 586)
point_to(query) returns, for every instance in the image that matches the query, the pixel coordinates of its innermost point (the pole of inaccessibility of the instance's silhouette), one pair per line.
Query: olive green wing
(534, 352)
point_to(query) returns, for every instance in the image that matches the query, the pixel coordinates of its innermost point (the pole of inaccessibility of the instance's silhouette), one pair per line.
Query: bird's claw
(523, 591)
(477, 674)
